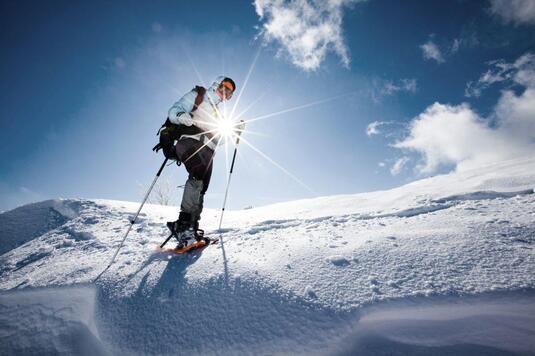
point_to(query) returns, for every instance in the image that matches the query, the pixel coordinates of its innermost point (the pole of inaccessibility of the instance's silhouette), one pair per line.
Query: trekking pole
(230, 173)
(133, 221)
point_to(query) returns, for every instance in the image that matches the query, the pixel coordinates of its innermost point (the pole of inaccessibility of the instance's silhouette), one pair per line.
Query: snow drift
(48, 321)
(317, 276)
(27, 222)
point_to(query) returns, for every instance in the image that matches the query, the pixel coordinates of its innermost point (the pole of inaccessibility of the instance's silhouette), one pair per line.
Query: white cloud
(382, 88)
(372, 128)
(457, 135)
(466, 40)
(306, 29)
(516, 115)
(384, 128)
(407, 85)
(521, 72)
(445, 134)
(399, 165)
(525, 70)
(439, 53)
(515, 11)
(431, 51)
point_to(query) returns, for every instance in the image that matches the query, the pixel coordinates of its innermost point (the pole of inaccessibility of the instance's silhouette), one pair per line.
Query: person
(196, 117)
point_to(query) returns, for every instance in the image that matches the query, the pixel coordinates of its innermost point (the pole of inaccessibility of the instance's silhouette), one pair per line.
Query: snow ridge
(22, 224)
(301, 277)
(430, 207)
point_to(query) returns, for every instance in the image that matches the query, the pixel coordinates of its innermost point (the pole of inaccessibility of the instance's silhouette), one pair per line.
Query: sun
(225, 127)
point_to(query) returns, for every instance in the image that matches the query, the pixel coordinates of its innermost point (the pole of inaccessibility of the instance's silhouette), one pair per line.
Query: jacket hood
(212, 89)
(217, 83)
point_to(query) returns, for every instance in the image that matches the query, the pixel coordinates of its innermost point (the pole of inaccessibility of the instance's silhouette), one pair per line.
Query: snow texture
(48, 321)
(429, 267)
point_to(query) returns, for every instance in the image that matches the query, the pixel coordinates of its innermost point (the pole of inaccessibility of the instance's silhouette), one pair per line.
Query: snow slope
(315, 276)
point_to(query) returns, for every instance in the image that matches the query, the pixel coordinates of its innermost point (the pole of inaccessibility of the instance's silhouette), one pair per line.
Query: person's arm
(179, 113)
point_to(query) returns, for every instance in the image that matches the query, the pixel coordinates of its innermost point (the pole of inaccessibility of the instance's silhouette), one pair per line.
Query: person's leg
(205, 183)
(192, 198)
(200, 172)
(198, 162)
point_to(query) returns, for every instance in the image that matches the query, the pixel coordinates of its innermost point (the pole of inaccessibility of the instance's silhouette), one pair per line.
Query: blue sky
(413, 88)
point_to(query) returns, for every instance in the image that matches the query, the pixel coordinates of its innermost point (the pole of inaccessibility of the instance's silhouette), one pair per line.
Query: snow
(447, 326)
(316, 276)
(46, 321)
(29, 221)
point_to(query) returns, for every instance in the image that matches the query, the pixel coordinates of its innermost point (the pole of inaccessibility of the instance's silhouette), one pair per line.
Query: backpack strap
(198, 100)
(173, 131)
(200, 97)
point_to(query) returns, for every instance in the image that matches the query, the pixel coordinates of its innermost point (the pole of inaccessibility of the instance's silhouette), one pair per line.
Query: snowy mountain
(444, 265)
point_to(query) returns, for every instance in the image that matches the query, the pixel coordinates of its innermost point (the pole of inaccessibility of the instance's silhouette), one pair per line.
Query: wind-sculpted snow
(482, 195)
(21, 225)
(58, 321)
(478, 325)
(216, 316)
(293, 277)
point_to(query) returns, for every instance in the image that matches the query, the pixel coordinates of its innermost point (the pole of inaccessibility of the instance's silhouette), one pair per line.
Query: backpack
(169, 132)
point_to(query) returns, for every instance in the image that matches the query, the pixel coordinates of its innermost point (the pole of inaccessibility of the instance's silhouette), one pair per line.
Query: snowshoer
(193, 122)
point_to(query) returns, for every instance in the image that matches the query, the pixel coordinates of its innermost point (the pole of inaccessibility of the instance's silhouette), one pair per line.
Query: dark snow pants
(198, 162)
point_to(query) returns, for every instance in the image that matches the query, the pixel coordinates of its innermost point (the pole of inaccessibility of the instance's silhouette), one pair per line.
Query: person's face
(224, 91)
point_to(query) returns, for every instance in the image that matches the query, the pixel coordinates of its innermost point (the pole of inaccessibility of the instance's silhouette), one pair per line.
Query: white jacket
(206, 117)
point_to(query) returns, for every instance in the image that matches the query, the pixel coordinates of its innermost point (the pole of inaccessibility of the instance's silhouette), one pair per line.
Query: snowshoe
(184, 247)
(187, 233)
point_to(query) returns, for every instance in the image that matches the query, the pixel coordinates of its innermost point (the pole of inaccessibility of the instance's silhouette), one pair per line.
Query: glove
(185, 118)
(239, 128)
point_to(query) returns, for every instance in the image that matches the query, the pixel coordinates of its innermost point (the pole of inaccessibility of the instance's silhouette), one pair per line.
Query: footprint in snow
(91, 220)
(373, 281)
(309, 292)
(339, 261)
(36, 256)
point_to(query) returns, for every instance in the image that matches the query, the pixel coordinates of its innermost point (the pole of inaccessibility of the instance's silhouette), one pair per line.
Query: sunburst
(226, 127)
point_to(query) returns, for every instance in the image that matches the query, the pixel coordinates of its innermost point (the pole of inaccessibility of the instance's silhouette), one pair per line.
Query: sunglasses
(227, 89)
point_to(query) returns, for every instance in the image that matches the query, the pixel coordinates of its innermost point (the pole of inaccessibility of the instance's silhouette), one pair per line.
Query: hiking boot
(182, 224)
